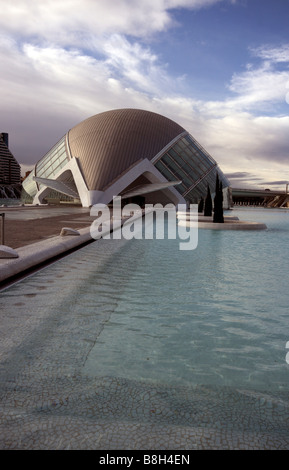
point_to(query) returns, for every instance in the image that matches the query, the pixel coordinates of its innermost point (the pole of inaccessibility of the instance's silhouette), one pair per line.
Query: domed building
(136, 154)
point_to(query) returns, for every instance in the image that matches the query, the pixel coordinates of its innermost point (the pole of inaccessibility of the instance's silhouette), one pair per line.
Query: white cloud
(138, 66)
(265, 84)
(245, 131)
(74, 23)
(244, 137)
(258, 89)
(273, 54)
(260, 86)
(46, 90)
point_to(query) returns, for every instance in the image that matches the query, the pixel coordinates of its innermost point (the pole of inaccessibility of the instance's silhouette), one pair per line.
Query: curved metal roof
(109, 143)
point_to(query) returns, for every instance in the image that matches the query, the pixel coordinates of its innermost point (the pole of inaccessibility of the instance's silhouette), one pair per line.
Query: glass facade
(52, 162)
(29, 187)
(47, 167)
(189, 162)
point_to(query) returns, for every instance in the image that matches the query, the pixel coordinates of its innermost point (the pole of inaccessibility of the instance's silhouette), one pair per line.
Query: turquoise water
(215, 315)
(141, 332)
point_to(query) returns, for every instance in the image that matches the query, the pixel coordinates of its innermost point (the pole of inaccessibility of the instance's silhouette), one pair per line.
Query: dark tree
(218, 202)
(208, 203)
(221, 192)
(201, 205)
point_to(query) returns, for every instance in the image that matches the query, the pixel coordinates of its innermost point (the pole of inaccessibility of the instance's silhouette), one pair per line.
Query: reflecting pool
(138, 345)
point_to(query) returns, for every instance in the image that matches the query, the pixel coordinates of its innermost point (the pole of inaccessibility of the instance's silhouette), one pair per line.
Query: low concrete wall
(32, 255)
(232, 225)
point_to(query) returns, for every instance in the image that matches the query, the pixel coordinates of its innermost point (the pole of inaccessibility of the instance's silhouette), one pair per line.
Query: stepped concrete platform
(230, 223)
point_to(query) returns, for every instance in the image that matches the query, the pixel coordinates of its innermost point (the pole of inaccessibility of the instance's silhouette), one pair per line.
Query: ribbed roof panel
(108, 143)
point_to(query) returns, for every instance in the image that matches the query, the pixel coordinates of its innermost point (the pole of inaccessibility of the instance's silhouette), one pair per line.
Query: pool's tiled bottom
(108, 413)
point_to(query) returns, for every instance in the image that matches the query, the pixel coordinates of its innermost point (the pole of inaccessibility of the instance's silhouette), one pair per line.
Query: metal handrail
(2, 227)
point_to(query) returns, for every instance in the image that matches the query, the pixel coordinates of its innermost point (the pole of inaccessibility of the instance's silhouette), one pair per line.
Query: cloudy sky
(220, 68)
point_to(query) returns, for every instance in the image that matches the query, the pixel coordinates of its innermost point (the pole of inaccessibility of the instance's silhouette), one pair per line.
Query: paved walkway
(26, 225)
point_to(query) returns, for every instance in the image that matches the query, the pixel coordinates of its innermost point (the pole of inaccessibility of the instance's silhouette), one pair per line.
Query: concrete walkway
(34, 233)
(30, 224)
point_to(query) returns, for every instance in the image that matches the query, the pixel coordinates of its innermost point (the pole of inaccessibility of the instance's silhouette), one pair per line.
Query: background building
(128, 152)
(10, 171)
